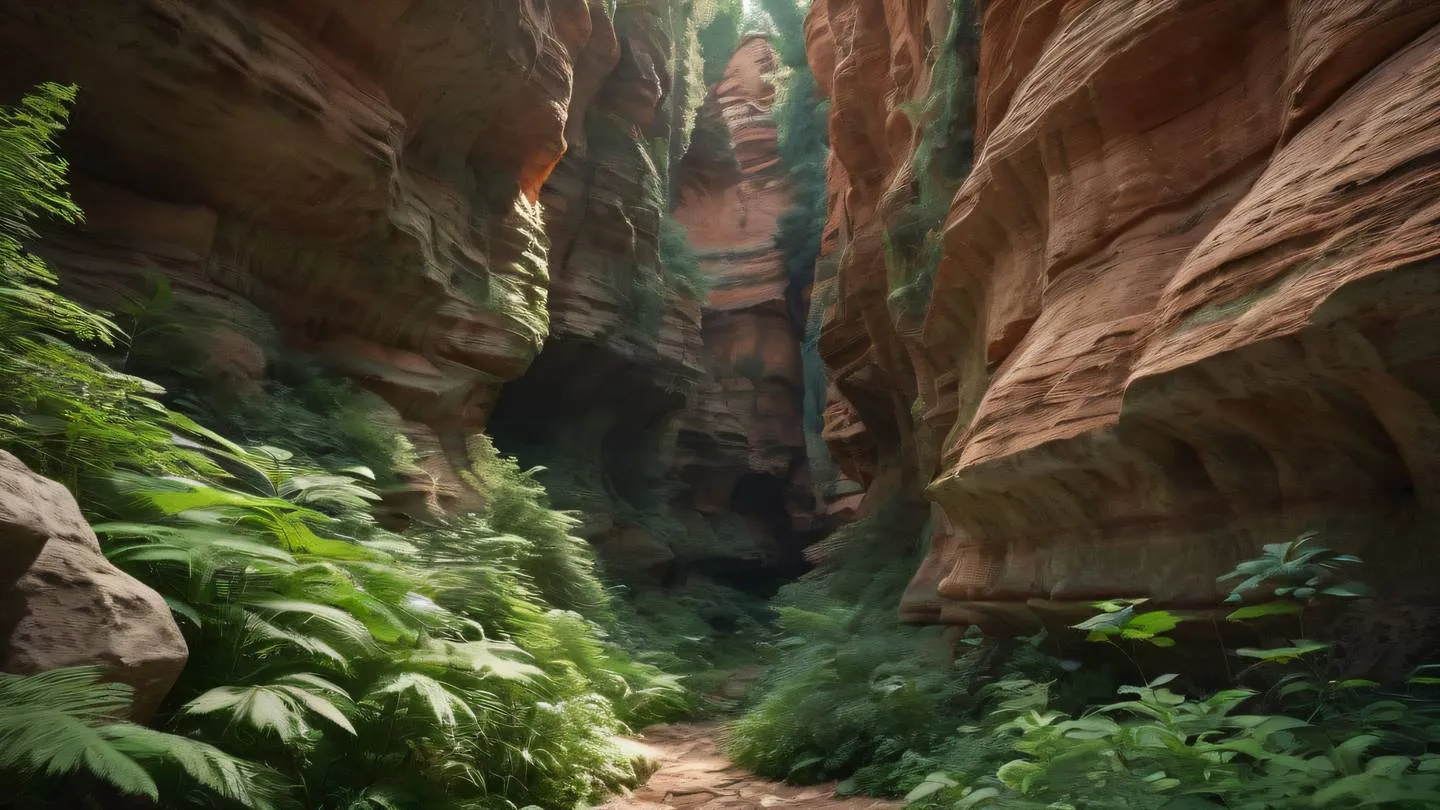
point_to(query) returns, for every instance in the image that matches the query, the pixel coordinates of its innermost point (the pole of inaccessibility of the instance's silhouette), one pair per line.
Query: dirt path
(693, 775)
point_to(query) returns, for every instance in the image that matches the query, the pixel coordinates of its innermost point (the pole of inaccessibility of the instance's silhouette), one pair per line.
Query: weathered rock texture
(360, 178)
(1188, 301)
(746, 418)
(422, 195)
(62, 604)
(674, 429)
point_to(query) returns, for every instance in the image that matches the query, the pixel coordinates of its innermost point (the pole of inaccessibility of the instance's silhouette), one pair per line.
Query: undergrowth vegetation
(855, 695)
(693, 626)
(974, 723)
(940, 160)
(333, 664)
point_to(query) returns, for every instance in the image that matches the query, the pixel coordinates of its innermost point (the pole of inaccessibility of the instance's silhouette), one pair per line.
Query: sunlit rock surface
(359, 179)
(1187, 303)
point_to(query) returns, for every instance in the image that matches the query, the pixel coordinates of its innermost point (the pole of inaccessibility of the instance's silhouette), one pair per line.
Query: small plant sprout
(1120, 619)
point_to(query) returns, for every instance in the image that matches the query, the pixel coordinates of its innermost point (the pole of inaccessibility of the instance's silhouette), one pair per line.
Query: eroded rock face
(597, 405)
(745, 418)
(1187, 302)
(363, 177)
(62, 604)
(675, 429)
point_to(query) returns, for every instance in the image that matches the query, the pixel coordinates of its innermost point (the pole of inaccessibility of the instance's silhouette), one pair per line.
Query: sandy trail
(694, 775)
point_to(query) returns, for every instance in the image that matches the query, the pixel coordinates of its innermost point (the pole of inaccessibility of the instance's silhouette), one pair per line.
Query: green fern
(458, 666)
(62, 722)
(283, 708)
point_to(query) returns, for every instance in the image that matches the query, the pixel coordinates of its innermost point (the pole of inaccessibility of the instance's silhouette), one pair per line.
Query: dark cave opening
(763, 499)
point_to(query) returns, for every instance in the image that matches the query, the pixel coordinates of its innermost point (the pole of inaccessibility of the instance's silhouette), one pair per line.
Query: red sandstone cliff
(679, 440)
(745, 419)
(1187, 301)
(363, 182)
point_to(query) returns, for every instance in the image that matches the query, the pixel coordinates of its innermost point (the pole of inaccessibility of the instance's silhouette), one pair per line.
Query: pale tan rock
(70, 606)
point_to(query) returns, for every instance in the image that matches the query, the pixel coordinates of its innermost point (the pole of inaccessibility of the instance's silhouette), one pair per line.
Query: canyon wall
(678, 438)
(1183, 304)
(380, 186)
(358, 181)
(466, 208)
(745, 421)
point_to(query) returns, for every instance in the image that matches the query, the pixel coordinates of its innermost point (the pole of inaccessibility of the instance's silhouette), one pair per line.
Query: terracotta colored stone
(1187, 300)
(745, 417)
(362, 175)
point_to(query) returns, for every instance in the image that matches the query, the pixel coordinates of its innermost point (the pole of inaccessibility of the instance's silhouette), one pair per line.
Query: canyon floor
(695, 775)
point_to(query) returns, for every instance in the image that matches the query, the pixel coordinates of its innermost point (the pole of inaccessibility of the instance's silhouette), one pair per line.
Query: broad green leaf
(1347, 590)
(1266, 609)
(975, 797)
(934, 783)
(1283, 655)
(1018, 774)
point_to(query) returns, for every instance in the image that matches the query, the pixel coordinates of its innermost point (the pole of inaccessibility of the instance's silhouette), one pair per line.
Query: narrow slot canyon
(701, 404)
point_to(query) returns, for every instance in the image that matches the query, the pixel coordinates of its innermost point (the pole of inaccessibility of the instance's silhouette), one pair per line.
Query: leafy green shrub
(852, 692)
(363, 669)
(561, 565)
(61, 411)
(682, 265)
(421, 670)
(719, 36)
(324, 420)
(701, 630)
(62, 722)
(1327, 743)
(914, 243)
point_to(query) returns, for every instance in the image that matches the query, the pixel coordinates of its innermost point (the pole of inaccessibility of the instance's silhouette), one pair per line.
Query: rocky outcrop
(421, 197)
(745, 418)
(597, 406)
(359, 180)
(672, 425)
(1186, 302)
(62, 604)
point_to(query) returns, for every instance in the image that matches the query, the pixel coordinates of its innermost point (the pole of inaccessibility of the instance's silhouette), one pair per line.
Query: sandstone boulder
(69, 606)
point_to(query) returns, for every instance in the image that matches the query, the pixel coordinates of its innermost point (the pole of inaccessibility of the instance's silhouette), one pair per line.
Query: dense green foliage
(696, 627)
(893, 709)
(940, 161)
(854, 694)
(63, 412)
(333, 664)
(1309, 736)
(720, 36)
(61, 722)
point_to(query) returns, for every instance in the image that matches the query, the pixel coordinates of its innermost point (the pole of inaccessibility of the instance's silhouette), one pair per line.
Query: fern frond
(226, 776)
(445, 706)
(280, 708)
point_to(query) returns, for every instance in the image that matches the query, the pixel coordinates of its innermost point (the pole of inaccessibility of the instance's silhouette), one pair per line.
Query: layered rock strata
(746, 417)
(358, 181)
(677, 436)
(1187, 301)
